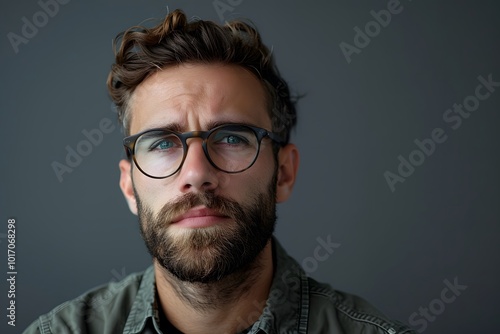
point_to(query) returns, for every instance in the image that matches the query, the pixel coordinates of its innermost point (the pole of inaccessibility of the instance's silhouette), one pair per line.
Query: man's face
(201, 223)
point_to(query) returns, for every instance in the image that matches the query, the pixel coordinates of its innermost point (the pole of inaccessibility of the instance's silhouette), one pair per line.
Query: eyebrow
(169, 127)
(214, 124)
(176, 127)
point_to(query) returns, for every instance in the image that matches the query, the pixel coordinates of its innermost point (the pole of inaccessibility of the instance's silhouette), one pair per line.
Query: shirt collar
(286, 307)
(143, 308)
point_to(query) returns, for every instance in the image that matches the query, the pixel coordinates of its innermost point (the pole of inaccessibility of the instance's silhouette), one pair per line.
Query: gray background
(396, 248)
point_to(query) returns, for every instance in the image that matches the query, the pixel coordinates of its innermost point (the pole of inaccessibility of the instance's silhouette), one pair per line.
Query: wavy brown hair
(141, 51)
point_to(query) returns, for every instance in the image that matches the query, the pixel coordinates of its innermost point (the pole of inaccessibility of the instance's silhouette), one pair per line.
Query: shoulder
(101, 307)
(330, 308)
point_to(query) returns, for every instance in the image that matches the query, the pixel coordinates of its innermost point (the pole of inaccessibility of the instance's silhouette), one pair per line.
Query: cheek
(154, 193)
(266, 167)
(254, 182)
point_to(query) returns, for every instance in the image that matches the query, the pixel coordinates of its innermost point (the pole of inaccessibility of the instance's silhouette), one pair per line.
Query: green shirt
(296, 304)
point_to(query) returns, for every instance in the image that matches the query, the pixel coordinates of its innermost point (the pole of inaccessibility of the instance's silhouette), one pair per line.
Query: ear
(126, 184)
(288, 165)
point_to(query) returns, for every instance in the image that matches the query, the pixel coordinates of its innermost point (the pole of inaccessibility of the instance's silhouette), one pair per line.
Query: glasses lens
(158, 153)
(233, 148)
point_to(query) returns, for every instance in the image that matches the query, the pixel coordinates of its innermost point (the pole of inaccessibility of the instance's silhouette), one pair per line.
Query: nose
(196, 173)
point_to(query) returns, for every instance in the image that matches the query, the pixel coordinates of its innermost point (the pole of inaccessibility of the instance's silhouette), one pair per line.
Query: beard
(209, 254)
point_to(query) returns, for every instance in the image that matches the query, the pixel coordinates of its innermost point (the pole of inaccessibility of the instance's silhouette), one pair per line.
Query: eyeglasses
(231, 148)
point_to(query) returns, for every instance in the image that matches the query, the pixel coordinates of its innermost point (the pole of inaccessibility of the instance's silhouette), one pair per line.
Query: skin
(195, 97)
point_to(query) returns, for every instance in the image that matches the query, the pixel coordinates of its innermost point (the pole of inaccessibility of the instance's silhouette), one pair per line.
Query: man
(207, 119)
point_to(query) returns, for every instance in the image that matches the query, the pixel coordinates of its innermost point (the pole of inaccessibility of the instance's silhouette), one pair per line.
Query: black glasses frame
(130, 141)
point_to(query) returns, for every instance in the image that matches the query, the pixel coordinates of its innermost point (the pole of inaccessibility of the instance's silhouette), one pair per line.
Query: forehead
(194, 96)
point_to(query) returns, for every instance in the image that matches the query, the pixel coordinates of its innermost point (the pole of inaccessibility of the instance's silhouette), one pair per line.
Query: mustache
(188, 201)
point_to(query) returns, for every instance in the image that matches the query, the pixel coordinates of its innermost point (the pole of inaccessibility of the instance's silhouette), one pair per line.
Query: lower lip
(198, 222)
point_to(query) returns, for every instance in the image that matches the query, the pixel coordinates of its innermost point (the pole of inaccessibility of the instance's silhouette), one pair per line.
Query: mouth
(199, 217)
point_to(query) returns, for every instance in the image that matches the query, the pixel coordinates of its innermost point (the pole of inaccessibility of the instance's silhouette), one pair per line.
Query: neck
(226, 306)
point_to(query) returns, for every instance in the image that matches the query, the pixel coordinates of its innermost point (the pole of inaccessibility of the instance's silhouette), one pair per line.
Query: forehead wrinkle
(193, 102)
(173, 96)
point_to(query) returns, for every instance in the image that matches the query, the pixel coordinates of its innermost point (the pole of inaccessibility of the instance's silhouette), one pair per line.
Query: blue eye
(230, 138)
(233, 139)
(164, 145)
(158, 142)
